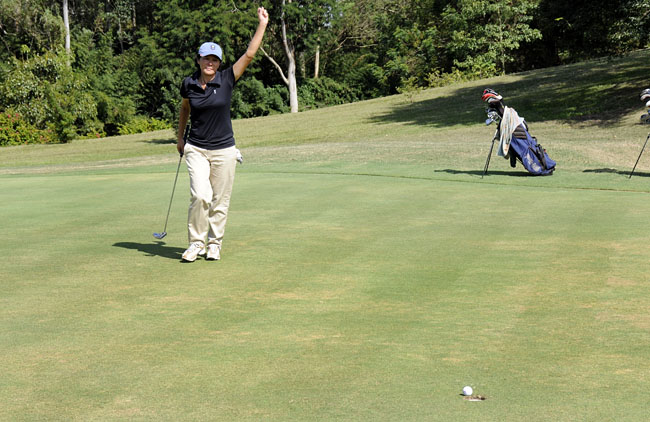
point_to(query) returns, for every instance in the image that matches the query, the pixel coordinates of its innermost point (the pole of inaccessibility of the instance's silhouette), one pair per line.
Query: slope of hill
(586, 113)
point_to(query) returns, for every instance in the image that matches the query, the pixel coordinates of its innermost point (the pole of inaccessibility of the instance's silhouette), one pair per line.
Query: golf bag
(515, 141)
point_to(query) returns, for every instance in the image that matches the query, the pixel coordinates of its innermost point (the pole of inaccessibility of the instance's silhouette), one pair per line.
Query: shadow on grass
(153, 249)
(598, 93)
(615, 171)
(162, 141)
(479, 173)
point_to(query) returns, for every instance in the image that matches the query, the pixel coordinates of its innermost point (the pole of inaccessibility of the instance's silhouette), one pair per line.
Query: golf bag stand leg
(487, 161)
(637, 160)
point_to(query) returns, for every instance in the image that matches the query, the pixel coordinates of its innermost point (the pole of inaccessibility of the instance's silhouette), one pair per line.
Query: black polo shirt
(210, 110)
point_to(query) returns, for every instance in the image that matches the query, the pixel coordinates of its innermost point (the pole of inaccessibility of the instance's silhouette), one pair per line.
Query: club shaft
(173, 190)
(171, 199)
(637, 160)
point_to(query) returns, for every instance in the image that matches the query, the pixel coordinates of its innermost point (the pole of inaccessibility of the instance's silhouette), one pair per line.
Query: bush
(322, 92)
(142, 124)
(252, 99)
(438, 78)
(47, 93)
(14, 130)
(114, 112)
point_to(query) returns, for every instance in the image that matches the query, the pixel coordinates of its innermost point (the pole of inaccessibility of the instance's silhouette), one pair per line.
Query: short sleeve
(184, 89)
(229, 75)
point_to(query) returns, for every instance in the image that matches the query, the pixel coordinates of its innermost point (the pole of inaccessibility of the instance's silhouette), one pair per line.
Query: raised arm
(240, 66)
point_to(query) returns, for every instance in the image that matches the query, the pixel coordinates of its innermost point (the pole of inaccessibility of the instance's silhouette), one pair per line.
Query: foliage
(142, 124)
(29, 27)
(47, 93)
(251, 98)
(14, 130)
(113, 82)
(322, 92)
(581, 29)
(438, 78)
(483, 34)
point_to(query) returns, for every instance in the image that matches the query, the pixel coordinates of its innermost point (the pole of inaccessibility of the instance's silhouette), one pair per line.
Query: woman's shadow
(153, 249)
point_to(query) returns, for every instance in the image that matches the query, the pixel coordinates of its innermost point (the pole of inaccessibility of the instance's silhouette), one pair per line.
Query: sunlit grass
(368, 271)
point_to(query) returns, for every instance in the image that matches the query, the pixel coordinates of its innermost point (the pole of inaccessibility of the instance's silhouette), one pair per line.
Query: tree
(582, 29)
(29, 27)
(482, 35)
(290, 54)
(301, 24)
(49, 94)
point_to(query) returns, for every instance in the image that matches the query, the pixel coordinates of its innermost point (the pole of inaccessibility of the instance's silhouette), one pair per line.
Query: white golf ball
(467, 391)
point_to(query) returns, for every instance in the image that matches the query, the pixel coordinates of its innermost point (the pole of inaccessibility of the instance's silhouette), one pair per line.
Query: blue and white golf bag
(525, 149)
(515, 142)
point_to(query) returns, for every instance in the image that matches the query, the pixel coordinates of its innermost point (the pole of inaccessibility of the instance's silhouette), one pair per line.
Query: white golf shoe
(214, 252)
(193, 251)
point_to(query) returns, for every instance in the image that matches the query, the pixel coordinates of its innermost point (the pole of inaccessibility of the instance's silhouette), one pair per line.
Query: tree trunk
(66, 23)
(317, 62)
(120, 36)
(291, 60)
(293, 85)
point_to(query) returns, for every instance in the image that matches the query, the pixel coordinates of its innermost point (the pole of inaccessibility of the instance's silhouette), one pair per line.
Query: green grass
(368, 272)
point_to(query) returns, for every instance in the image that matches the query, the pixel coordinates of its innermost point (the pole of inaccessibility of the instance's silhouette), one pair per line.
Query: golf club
(493, 116)
(164, 232)
(637, 160)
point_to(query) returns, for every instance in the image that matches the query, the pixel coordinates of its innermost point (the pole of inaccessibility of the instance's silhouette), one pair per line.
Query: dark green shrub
(322, 92)
(114, 112)
(251, 99)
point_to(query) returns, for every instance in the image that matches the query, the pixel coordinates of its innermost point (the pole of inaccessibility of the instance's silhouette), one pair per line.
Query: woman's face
(209, 64)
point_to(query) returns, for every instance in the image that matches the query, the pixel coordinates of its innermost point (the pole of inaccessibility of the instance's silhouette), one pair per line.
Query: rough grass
(368, 273)
(571, 108)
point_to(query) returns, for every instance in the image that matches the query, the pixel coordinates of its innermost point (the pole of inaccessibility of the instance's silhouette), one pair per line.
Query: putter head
(160, 235)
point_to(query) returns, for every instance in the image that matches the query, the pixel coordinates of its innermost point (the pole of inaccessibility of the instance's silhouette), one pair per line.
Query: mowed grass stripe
(338, 297)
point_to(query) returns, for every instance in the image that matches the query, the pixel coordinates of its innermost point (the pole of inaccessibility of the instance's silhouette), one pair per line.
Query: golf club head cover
(491, 96)
(645, 95)
(494, 100)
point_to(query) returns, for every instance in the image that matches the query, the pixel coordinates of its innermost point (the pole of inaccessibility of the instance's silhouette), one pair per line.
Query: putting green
(339, 296)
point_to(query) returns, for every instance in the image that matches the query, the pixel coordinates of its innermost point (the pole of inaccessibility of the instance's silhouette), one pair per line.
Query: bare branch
(277, 66)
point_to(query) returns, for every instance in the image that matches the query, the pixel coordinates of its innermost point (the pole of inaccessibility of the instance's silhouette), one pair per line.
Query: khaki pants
(212, 173)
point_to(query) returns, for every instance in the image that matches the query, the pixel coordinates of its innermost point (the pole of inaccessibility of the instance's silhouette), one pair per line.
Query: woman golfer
(210, 152)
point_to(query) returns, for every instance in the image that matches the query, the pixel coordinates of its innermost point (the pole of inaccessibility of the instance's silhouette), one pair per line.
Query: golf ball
(467, 391)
